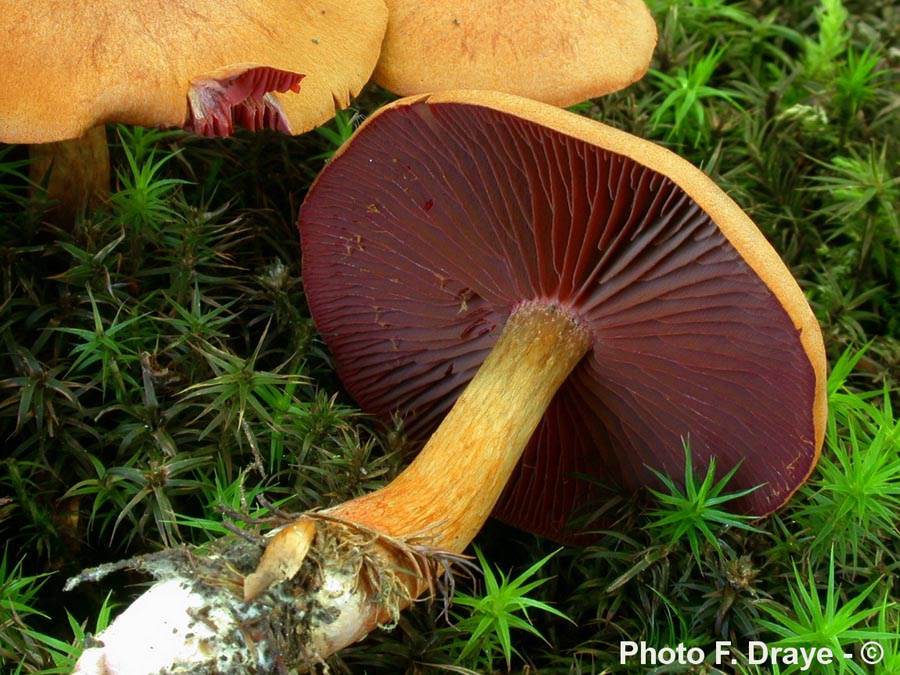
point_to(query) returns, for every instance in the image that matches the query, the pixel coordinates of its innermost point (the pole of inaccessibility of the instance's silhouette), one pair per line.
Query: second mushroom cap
(556, 51)
(71, 66)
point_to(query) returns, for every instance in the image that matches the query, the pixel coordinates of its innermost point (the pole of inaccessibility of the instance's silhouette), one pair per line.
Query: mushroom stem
(447, 493)
(450, 488)
(329, 578)
(75, 171)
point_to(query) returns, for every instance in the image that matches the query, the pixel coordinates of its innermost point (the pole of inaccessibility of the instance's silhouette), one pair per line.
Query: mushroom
(469, 240)
(559, 300)
(544, 298)
(560, 52)
(203, 65)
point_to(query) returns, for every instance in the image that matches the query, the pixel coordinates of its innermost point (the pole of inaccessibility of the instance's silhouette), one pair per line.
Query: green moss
(158, 359)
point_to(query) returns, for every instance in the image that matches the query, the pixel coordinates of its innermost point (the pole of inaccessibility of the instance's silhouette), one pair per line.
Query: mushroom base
(195, 620)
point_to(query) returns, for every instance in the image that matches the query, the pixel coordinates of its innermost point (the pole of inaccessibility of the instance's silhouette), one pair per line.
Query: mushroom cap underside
(556, 51)
(71, 66)
(445, 213)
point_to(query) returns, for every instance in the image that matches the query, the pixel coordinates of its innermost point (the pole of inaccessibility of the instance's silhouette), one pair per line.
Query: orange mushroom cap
(71, 66)
(558, 51)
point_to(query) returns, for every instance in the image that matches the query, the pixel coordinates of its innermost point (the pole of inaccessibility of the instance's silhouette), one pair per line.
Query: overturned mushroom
(546, 299)
(454, 224)
(560, 52)
(70, 68)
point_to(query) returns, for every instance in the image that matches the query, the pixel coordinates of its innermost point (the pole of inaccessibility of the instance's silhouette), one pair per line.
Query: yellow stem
(75, 172)
(450, 488)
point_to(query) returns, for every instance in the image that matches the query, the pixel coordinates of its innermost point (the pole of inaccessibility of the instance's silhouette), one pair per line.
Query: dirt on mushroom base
(195, 620)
